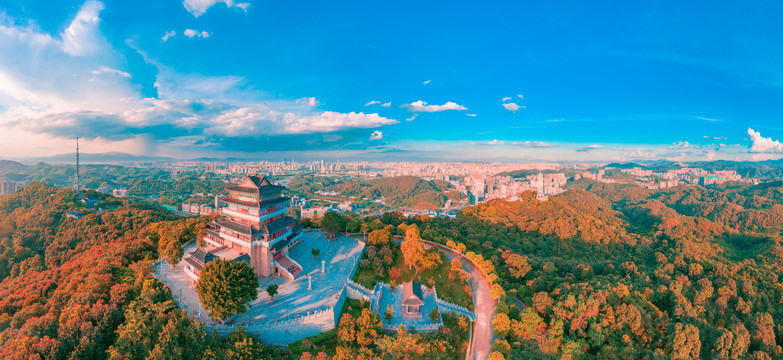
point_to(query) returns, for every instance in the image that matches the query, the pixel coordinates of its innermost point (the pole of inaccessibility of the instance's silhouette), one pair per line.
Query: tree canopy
(226, 286)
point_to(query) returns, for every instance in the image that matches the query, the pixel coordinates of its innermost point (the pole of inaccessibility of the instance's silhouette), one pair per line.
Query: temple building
(254, 229)
(412, 300)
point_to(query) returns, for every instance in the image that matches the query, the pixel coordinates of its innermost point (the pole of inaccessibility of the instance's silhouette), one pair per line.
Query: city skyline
(520, 82)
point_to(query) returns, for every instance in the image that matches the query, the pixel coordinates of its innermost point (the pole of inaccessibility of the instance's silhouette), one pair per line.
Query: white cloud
(193, 33)
(427, 82)
(680, 145)
(532, 144)
(490, 143)
(512, 107)
(520, 96)
(261, 120)
(589, 148)
(376, 102)
(413, 117)
(376, 135)
(81, 37)
(761, 144)
(168, 35)
(46, 96)
(309, 101)
(109, 71)
(507, 98)
(471, 115)
(707, 119)
(199, 7)
(714, 137)
(421, 106)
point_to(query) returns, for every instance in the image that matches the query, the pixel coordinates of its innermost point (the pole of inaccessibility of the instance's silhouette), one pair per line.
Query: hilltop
(404, 191)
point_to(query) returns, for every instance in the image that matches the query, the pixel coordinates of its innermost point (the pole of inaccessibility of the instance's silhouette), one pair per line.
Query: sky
(521, 81)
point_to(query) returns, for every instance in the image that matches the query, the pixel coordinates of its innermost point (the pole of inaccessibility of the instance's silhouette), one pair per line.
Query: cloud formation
(376, 102)
(421, 106)
(493, 142)
(168, 35)
(199, 7)
(427, 82)
(511, 107)
(81, 37)
(309, 101)
(760, 144)
(376, 135)
(47, 95)
(532, 144)
(107, 70)
(589, 148)
(193, 33)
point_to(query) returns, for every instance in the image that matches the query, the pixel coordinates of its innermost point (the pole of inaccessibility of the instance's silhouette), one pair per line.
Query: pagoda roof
(265, 229)
(255, 185)
(243, 257)
(256, 204)
(193, 262)
(202, 255)
(411, 294)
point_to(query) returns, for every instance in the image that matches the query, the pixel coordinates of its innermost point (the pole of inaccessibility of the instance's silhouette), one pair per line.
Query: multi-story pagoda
(254, 229)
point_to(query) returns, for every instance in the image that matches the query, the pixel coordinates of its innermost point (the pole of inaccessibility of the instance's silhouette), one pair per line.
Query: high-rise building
(254, 229)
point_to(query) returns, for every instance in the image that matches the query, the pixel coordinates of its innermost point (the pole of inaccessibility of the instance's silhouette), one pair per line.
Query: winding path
(484, 305)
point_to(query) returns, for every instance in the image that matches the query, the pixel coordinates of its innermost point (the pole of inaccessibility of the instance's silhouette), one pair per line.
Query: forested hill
(574, 214)
(407, 191)
(701, 280)
(80, 289)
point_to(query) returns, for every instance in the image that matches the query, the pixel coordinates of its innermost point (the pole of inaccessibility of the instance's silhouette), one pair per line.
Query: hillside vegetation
(80, 289)
(684, 273)
(404, 191)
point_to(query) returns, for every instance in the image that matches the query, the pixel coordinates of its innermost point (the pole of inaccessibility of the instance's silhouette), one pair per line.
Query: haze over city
(457, 81)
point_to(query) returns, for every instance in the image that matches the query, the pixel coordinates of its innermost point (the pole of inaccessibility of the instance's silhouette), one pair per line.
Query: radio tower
(78, 187)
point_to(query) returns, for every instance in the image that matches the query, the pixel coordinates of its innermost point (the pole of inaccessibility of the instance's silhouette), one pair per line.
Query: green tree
(226, 286)
(332, 222)
(435, 315)
(271, 290)
(315, 252)
(389, 314)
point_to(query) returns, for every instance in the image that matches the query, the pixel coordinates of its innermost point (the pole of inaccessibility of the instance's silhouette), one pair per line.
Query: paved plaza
(340, 258)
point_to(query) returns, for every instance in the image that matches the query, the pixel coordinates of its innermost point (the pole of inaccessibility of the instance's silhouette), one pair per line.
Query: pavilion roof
(411, 294)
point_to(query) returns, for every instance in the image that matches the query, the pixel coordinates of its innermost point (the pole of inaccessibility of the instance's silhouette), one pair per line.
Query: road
(484, 308)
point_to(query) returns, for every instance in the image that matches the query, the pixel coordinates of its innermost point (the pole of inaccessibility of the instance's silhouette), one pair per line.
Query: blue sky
(516, 81)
